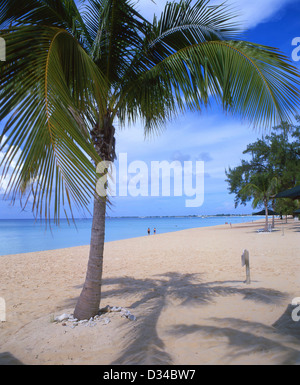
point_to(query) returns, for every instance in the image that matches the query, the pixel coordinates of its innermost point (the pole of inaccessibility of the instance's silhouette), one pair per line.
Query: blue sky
(212, 137)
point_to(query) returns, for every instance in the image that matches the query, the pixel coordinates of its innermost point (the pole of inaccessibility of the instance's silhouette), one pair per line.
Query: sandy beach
(187, 290)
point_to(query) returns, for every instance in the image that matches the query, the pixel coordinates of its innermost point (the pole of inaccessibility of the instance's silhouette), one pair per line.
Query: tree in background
(274, 166)
(286, 206)
(261, 188)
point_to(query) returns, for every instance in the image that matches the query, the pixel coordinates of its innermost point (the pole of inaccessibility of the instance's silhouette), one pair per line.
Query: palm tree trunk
(267, 217)
(273, 219)
(89, 301)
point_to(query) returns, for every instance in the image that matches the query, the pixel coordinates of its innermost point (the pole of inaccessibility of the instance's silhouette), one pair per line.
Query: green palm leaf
(58, 157)
(254, 82)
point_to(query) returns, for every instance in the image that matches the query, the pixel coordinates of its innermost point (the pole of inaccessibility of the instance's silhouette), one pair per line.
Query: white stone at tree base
(93, 321)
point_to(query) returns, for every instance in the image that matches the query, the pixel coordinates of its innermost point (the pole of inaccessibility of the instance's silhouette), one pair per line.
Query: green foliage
(261, 188)
(274, 166)
(286, 206)
(70, 68)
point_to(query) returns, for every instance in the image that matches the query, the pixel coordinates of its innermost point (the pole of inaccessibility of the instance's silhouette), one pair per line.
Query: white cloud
(190, 134)
(252, 12)
(222, 141)
(5, 181)
(255, 12)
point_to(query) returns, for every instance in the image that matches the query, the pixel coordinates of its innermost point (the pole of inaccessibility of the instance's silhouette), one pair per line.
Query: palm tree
(262, 188)
(73, 71)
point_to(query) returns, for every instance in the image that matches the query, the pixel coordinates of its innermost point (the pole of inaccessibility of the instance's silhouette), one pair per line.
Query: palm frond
(56, 13)
(184, 23)
(254, 82)
(46, 86)
(115, 27)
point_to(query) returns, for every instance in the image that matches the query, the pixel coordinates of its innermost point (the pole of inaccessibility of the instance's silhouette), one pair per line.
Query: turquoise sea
(23, 236)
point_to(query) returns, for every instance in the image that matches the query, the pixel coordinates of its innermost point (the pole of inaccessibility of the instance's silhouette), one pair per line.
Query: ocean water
(23, 236)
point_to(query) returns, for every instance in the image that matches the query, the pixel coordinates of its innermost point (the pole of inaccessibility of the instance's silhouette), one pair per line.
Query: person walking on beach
(154, 231)
(148, 231)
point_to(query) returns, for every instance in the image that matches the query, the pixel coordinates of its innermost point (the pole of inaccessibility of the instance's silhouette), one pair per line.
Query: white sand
(186, 289)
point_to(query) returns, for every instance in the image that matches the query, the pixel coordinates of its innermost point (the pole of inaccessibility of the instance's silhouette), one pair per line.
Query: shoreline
(186, 289)
(235, 225)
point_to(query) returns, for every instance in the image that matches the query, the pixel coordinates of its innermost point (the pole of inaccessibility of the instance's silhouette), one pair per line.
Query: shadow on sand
(152, 296)
(7, 358)
(244, 339)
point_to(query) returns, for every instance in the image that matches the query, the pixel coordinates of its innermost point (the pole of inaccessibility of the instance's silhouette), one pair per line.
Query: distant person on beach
(148, 231)
(154, 231)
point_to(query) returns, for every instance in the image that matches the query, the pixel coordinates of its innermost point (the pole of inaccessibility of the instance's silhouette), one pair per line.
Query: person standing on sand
(148, 231)
(154, 231)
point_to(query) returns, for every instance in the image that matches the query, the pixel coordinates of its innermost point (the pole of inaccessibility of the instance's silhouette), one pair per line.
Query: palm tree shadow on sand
(144, 345)
(245, 338)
